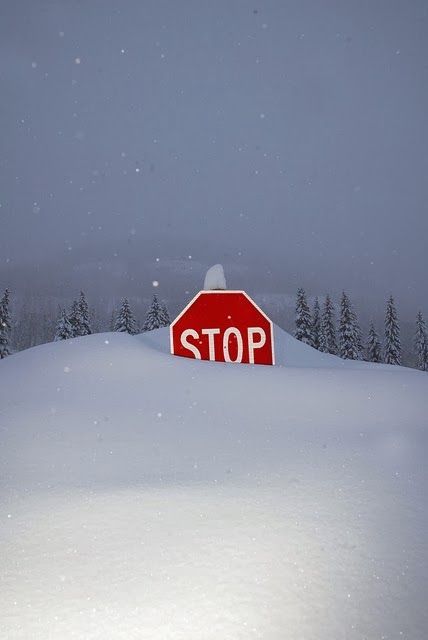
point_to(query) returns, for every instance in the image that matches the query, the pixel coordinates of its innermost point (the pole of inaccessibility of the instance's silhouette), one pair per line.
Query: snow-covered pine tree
(322, 342)
(74, 319)
(392, 334)
(84, 325)
(328, 341)
(359, 335)
(64, 329)
(166, 320)
(303, 330)
(421, 343)
(373, 348)
(349, 347)
(5, 325)
(154, 316)
(125, 321)
(316, 324)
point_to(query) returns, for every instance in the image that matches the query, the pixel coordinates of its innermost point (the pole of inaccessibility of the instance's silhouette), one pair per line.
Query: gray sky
(287, 139)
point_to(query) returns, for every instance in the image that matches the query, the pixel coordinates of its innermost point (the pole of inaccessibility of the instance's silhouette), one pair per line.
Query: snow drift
(149, 496)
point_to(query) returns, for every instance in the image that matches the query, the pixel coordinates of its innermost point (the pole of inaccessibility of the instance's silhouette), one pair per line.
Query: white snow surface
(146, 496)
(215, 278)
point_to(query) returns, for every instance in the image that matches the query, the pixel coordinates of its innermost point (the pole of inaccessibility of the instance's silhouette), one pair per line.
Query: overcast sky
(287, 139)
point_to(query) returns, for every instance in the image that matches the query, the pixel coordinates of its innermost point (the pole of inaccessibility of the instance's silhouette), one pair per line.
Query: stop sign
(226, 326)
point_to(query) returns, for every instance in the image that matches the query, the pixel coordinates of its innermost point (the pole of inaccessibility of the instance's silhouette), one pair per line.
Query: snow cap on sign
(214, 278)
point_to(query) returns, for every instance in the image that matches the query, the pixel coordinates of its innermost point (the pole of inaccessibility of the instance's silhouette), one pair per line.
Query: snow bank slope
(147, 496)
(289, 352)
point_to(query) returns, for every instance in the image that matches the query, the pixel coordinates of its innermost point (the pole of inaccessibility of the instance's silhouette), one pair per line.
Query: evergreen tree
(5, 325)
(373, 349)
(322, 341)
(154, 317)
(349, 340)
(166, 320)
(125, 320)
(303, 330)
(74, 319)
(316, 325)
(392, 334)
(84, 325)
(328, 341)
(64, 329)
(421, 343)
(359, 336)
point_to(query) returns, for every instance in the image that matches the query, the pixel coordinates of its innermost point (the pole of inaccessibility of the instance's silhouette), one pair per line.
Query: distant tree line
(318, 328)
(76, 321)
(5, 325)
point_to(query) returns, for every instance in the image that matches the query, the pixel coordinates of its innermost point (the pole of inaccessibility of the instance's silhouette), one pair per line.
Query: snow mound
(150, 496)
(215, 278)
(289, 352)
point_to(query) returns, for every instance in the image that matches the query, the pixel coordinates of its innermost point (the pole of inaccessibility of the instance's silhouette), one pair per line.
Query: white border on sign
(221, 291)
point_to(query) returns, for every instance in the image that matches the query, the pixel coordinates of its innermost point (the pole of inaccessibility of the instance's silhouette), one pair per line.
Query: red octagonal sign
(226, 326)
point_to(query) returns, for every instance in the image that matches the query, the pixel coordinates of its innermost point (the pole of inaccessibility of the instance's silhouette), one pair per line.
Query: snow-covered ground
(151, 497)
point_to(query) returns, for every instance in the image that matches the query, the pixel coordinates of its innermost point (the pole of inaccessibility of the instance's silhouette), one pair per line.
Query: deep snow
(146, 496)
(215, 278)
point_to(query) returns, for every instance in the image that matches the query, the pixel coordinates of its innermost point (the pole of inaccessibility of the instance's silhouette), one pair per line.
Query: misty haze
(243, 183)
(285, 140)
